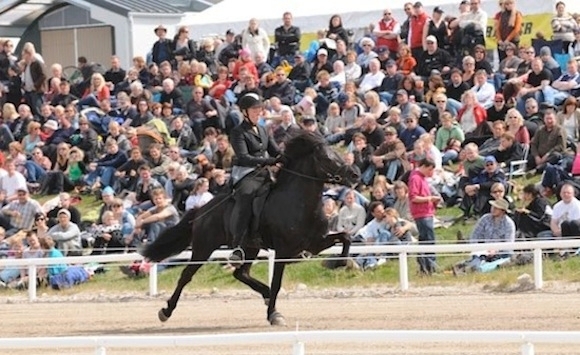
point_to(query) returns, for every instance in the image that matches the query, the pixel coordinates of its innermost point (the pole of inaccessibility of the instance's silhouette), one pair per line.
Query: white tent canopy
(312, 15)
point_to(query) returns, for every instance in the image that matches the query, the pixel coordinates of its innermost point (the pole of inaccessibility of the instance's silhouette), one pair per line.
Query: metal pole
(528, 349)
(298, 348)
(153, 280)
(271, 261)
(403, 271)
(76, 46)
(31, 282)
(538, 271)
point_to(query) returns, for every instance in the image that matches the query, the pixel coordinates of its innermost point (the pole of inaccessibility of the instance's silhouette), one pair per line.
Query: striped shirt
(27, 210)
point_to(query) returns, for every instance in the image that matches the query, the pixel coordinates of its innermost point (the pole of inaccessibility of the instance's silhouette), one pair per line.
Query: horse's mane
(302, 143)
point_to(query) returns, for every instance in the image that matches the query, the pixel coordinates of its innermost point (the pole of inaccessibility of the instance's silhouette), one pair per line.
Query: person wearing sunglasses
(479, 190)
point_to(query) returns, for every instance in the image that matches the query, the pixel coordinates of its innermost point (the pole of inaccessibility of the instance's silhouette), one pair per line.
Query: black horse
(291, 221)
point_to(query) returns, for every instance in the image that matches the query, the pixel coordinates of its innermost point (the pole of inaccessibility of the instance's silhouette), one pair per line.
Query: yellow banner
(531, 25)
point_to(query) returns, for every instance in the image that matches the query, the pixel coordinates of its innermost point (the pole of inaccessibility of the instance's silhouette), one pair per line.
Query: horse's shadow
(160, 330)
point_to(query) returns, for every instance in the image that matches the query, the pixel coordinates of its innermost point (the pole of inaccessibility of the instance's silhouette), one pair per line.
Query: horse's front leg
(330, 240)
(274, 317)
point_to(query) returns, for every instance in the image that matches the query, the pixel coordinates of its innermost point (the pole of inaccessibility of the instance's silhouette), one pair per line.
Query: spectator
(516, 126)
(563, 25)
(157, 218)
(490, 146)
(509, 150)
(183, 48)
(549, 142)
(508, 24)
(374, 232)
(115, 74)
(535, 217)
(13, 182)
(433, 58)
(478, 192)
(281, 87)
(405, 61)
(492, 227)
(19, 213)
(171, 94)
(387, 33)
(336, 30)
(566, 215)
(390, 158)
(417, 23)
(351, 217)
(33, 78)
(199, 195)
(66, 234)
(422, 206)
(437, 27)
(255, 39)
(287, 38)
(65, 203)
(108, 236)
(412, 132)
(484, 91)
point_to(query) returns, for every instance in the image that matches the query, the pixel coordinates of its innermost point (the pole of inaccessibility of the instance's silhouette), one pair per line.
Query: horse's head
(326, 164)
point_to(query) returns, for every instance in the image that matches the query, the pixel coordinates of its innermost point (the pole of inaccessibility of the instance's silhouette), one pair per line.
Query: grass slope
(314, 275)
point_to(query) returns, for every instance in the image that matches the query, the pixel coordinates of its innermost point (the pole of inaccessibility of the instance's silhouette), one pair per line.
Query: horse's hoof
(267, 301)
(162, 316)
(277, 319)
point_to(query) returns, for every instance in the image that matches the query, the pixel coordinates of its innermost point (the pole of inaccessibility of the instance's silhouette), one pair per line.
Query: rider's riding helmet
(249, 100)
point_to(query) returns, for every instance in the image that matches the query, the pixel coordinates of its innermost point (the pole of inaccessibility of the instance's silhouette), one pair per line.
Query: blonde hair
(395, 111)
(374, 97)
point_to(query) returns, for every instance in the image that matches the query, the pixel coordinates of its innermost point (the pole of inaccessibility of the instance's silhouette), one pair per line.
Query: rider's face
(254, 114)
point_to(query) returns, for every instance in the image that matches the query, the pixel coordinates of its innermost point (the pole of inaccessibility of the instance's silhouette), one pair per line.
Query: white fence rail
(403, 252)
(296, 340)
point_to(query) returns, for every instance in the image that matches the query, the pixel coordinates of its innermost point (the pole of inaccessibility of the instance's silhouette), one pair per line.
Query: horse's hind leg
(242, 274)
(184, 279)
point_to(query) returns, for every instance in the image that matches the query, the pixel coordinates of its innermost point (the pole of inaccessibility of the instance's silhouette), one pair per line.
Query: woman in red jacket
(471, 115)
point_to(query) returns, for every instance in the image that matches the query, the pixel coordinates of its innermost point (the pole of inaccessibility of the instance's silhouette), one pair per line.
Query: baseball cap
(51, 124)
(431, 38)
(230, 32)
(402, 92)
(63, 211)
(108, 191)
(418, 4)
(464, 2)
(438, 10)
(490, 159)
(390, 130)
(322, 51)
(390, 63)
(382, 50)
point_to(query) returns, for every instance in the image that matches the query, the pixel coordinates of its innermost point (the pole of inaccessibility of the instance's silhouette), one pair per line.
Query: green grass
(314, 275)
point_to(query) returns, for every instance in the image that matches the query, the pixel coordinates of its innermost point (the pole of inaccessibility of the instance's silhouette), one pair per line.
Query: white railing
(403, 252)
(296, 340)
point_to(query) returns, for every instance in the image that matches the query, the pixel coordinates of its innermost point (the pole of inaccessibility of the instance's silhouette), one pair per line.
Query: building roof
(137, 6)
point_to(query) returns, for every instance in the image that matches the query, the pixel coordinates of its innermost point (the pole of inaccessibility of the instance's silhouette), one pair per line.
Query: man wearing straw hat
(493, 227)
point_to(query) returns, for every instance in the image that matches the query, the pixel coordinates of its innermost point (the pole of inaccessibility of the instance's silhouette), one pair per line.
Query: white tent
(312, 15)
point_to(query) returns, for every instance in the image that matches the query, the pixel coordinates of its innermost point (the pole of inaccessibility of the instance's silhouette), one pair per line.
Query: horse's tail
(171, 241)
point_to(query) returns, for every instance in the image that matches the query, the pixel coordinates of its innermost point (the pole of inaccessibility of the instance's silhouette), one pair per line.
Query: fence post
(403, 271)
(528, 349)
(538, 271)
(31, 282)
(153, 280)
(271, 261)
(298, 348)
(101, 351)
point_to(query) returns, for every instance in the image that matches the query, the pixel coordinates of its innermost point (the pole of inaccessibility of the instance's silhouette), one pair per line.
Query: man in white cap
(433, 59)
(320, 63)
(66, 234)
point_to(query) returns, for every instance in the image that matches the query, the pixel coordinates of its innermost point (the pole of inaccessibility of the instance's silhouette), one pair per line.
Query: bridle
(332, 177)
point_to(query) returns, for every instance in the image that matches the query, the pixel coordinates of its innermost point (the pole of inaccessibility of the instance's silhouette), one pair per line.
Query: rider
(254, 149)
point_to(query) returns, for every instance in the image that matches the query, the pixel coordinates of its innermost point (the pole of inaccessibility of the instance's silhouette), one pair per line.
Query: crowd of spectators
(416, 103)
